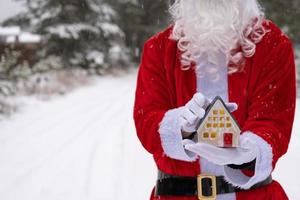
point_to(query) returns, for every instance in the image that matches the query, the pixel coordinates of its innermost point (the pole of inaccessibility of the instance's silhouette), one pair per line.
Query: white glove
(194, 110)
(224, 156)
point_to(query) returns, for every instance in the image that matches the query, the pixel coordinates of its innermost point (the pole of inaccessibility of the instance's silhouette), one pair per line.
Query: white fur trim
(263, 166)
(171, 136)
(228, 196)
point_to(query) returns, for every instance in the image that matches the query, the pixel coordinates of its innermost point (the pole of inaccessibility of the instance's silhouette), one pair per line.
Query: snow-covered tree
(82, 32)
(140, 19)
(285, 14)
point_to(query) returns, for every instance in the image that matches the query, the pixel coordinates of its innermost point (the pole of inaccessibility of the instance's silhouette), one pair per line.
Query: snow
(24, 38)
(83, 146)
(10, 39)
(72, 30)
(109, 29)
(29, 38)
(10, 31)
(106, 10)
(96, 56)
(115, 52)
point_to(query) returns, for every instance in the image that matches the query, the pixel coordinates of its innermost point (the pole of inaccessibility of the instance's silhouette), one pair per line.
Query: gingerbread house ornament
(219, 127)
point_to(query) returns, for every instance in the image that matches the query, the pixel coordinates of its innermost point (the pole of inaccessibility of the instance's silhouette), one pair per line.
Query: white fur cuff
(263, 166)
(171, 136)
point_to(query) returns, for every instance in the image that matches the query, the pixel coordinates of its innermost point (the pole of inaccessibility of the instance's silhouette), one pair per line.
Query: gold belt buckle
(213, 196)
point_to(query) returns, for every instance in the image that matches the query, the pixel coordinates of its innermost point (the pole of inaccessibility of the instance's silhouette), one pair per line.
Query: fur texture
(263, 166)
(205, 28)
(171, 137)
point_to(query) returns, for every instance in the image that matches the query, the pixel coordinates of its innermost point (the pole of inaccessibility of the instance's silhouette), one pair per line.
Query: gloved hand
(245, 153)
(194, 111)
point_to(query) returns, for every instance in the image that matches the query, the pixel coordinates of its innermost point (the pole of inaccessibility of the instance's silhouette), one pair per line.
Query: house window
(222, 112)
(205, 135)
(213, 135)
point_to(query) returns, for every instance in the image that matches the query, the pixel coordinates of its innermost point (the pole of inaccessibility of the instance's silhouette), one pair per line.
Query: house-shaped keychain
(218, 127)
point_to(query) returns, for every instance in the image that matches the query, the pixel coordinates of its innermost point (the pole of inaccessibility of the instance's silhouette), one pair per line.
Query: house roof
(211, 105)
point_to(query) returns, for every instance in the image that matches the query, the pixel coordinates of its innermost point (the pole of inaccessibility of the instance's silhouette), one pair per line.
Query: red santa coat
(265, 92)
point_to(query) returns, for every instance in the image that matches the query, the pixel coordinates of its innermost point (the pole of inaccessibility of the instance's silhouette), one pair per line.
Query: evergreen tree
(140, 19)
(82, 32)
(286, 14)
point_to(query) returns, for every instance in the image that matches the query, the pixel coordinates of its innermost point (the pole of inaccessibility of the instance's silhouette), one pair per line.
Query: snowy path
(79, 147)
(83, 147)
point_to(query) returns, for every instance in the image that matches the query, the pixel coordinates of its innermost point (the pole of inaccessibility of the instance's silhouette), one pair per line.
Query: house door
(228, 139)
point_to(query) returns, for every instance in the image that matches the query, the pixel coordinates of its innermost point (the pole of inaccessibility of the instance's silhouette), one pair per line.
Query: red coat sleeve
(151, 97)
(271, 105)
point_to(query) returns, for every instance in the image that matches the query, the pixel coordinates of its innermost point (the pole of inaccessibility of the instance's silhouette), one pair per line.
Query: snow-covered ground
(83, 147)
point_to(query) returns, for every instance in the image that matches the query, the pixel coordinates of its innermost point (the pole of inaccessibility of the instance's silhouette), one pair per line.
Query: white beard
(206, 28)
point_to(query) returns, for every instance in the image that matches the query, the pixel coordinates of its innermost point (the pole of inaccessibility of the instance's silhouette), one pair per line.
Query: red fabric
(264, 91)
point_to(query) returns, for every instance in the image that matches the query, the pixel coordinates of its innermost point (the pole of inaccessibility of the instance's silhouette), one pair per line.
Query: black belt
(203, 186)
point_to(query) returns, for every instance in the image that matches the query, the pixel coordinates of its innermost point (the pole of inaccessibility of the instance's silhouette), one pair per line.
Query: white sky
(9, 8)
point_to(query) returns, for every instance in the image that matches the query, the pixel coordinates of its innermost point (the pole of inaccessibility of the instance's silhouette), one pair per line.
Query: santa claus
(214, 48)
